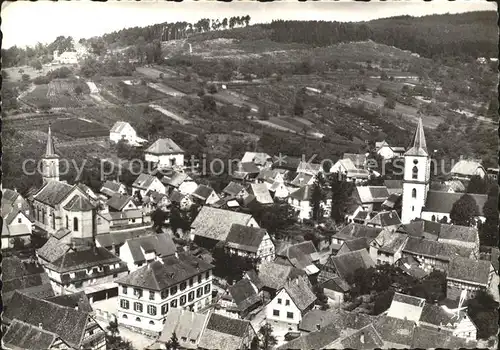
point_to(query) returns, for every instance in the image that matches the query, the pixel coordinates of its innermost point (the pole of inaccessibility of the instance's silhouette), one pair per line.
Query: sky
(26, 23)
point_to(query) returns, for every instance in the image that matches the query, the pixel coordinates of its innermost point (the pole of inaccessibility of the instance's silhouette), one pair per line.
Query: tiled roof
(359, 160)
(118, 238)
(437, 315)
(224, 333)
(254, 278)
(176, 196)
(394, 185)
(390, 242)
(346, 264)
(216, 223)
(23, 336)
(348, 164)
(300, 254)
(166, 272)
(418, 147)
(318, 339)
(164, 146)
(185, 324)
(365, 338)
(286, 162)
(83, 259)
(52, 249)
(269, 174)
(354, 230)
(430, 248)
(244, 169)
(357, 244)
(274, 275)
(424, 337)
(67, 323)
(308, 168)
(470, 270)
(244, 294)
(391, 201)
(255, 157)
(411, 267)
(233, 188)
(466, 167)
(261, 193)
(422, 228)
(9, 195)
(73, 301)
(203, 192)
(112, 186)
(300, 291)
(372, 194)
(301, 179)
(408, 299)
(336, 284)
(175, 179)
(53, 193)
(341, 318)
(119, 126)
(395, 330)
(161, 244)
(246, 238)
(78, 203)
(459, 233)
(386, 218)
(442, 202)
(143, 181)
(228, 325)
(118, 201)
(35, 285)
(302, 194)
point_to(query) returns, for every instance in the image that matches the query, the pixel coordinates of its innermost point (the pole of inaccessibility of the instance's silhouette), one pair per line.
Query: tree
(382, 301)
(341, 195)
(268, 339)
(278, 216)
(432, 287)
(209, 104)
(25, 78)
(113, 339)
(384, 76)
(78, 90)
(173, 343)
(317, 198)
(255, 344)
(390, 103)
(477, 185)
(488, 232)
(18, 243)
(158, 217)
(37, 65)
(464, 211)
(483, 310)
(212, 89)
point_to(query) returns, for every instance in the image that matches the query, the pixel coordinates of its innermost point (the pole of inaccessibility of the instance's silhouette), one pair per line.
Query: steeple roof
(49, 150)
(418, 146)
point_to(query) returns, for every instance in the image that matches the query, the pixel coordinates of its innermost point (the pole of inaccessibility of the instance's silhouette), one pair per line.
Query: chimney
(362, 338)
(318, 326)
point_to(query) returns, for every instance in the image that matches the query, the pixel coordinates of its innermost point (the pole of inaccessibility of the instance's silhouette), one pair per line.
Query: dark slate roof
(372, 194)
(261, 193)
(228, 325)
(395, 330)
(254, 278)
(67, 323)
(52, 249)
(408, 299)
(314, 340)
(203, 192)
(422, 228)
(354, 230)
(389, 241)
(341, 318)
(13, 267)
(275, 275)
(76, 300)
(53, 193)
(357, 244)
(442, 202)
(83, 259)
(302, 194)
(244, 294)
(372, 339)
(394, 184)
(24, 336)
(346, 264)
(286, 162)
(233, 188)
(470, 270)
(216, 223)
(438, 316)
(78, 203)
(161, 244)
(143, 181)
(336, 284)
(118, 201)
(118, 238)
(299, 255)
(459, 233)
(439, 250)
(164, 146)
(245, 237)
(175, 179)
(111, 186)
(166, 272)
(424, 337)
(300, 291)
(386, 218)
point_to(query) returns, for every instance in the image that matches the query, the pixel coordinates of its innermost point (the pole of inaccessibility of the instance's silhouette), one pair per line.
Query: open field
(38, 97)
(154, 73)
(79, 128)
(15, 75)
(167, 90)
(170, 114)
(117, 92)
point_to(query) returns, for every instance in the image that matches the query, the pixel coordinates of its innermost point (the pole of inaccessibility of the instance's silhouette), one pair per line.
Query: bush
(212, 89)
(25, 77)
(390, 103)
(41, 80)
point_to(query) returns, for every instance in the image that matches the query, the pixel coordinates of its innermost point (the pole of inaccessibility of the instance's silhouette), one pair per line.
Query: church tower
(50, 161)
(416, 176)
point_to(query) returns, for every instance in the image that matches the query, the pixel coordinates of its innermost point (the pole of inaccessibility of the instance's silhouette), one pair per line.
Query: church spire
(49, 150)
(418, 146)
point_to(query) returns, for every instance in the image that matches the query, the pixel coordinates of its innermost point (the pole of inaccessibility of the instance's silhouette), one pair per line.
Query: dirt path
(171, 115)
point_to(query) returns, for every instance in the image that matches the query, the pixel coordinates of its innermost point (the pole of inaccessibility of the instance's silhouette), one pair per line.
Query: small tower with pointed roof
(416, 177)
(50, 161)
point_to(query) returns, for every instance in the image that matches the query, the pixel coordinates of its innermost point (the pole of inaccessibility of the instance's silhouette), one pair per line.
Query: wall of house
(128, 316)
(266, 250)
(128, 134)
(165, 161)
(334, 298)
(466, 329)
(386, 152)
(455, 287)
(126, 256)
(102, 225)
(188, 187)
(212, 198)
(429, 263)
(303, 208)
(278, 303)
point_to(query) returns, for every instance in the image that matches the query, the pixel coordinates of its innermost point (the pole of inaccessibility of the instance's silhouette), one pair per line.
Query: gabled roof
(52, 249)
(76, 300)
(418, 146)
(9, 196)
(300, 255)
(244, 294)
(275, 275)
(466, 167)
(440, 316)
(438, 250)
(301, 179)
(67, 323)
(233, 188)
(21, 335)
(357, 244)
(175, 179)
(426, 337)
(118, 201)
(354, 230)
(216, 223)
(118, 238)
(186, 325)
(385, 218)
(49, 149)
(83, 259)
(254, 278)
(112, 186)
(261, 193)
(442, 202)
(394, 330)
(389, 241)
(176, 196)
(164, 146)
(308, 168)
(143, 181)
(224, 332)
(469, 270)
(256, 157)
(245, 238)
(408, 299)
(391, 201)
(365, 338)
(372, 194)
(336, 284)
(359, 160)
(161, 244)
(302, 194)
(459, 233)
(166, 272)
(78, 203)
(346, 264)
(202, 192)
(394, 186)
(53, 193)
(422, 228)
(300, 291)
(348, 164)
(267, 174)
(318, 339)
(119, 126)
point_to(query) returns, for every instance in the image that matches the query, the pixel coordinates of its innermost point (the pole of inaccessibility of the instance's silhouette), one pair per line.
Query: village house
(120, 202)
(456, 321)
(179, 180)
(184, 201)
(251, 242)
(360, 160)
(165, 153)
(246, 172)
(300, 201)
(386, 151)
(285, 162)
(273, 276)
(406, 307)
(112, 241)
(270, 176)
(309, 168)
(465, 169)
(66, 57)
(136, 252)
(88, 269)
(110, 188)
(223, 332)
(354, 244)
(17, 223)
(462, 236)
(21, 335)
(261, 193)
(302, 179)
(393, 202)
(385, 219)
(387, 247)
(155, 200)
(353, 231)
(371, 197)
(469, 275)
(243, 297)
(302, 256)
(336, 290)
(291, 302)
(235, 190)
(70, 328)
(262, 160)
(123, 131)
(145, 183)
(348, 171)
(344, 265)
(205, 195)
(213, 225)
(178, 281)
(394, 186)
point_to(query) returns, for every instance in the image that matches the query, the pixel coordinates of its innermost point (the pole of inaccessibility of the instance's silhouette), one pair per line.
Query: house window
(414, 193)
(99, 221)
(276, 312)
(67, 222)
(414, 173)
(78, 284)
(199, 292)
(151, 323)
(115, 275)
(164, 309)
(53, 221)
(137, 307)
(433, 218)
(200, 277)
(152, 310)
(151, 295)
(279, 300)
(124, 316)
(124, 304)
(191, 282)
(138, 292)
(182, 300)
(207, 275)
(412, 208)
(207, 289)
(172, 161)
(75, 224)
(289, 315)
(173, 290)
(191, 296)
(287, 302)
(173, 303)
(182, 286)
(19, 220)
(164, 293)
(137, 319)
